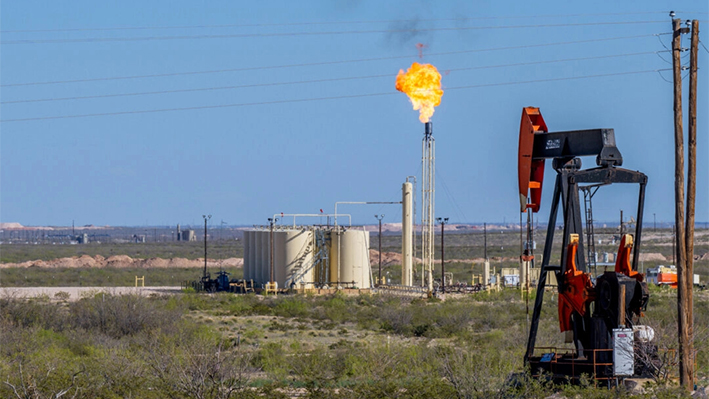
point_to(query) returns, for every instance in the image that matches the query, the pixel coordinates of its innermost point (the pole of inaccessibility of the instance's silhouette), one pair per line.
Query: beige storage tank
(353, 248)
(247, 252)
(298, 255)
(334, 272)
(279, 259)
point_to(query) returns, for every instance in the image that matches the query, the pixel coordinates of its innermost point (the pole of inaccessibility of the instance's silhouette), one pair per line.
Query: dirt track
(76, 293)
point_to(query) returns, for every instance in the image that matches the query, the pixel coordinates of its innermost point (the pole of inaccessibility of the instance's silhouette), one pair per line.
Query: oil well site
(258, 209)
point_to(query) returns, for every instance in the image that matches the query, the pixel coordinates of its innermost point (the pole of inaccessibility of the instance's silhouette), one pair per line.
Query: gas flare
(422, 83)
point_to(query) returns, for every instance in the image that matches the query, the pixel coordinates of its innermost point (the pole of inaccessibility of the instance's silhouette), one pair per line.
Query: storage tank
(252, 255)
(334, 272)
(247, 254)
(279, 259)
(298, 256)
(264, 242)
(258, 257)
(354, 258)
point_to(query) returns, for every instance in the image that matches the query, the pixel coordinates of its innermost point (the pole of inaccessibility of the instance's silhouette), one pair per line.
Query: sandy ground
(76, 293)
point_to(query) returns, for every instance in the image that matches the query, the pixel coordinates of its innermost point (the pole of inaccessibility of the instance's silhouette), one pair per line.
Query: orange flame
(422, 83)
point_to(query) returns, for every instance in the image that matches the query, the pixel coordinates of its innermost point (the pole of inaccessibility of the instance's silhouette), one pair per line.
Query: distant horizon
(646, 225)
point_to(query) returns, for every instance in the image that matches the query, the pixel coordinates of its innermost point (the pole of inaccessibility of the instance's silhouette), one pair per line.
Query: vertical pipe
(205, 248)
(485, 235)
(443, 257)
(270, 247)
(380, 250)
(621, 224)
(428, 192)
(406, 235)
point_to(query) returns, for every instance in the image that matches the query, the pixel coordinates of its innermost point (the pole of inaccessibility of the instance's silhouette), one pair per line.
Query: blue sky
(244, 163)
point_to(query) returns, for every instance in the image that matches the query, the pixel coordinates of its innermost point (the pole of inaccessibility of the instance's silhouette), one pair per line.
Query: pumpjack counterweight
(593, 309)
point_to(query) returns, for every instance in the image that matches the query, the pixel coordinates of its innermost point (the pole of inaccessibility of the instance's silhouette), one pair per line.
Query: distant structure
(188, 235)
(185, 235)
(82, 238)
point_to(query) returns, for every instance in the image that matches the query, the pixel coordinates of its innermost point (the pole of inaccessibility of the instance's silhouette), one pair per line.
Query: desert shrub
(271, 359)
(196, 363)
(293, 306)
(121, 315)
(27, 313)
(396, 320)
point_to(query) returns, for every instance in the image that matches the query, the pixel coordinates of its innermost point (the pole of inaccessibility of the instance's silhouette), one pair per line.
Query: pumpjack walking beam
(564, 148)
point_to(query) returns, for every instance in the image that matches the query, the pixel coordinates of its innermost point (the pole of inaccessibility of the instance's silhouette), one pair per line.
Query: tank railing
(302, 254)
(322, 257)
(303, 271)
(288, 227)
(311, 215)
(402, 289)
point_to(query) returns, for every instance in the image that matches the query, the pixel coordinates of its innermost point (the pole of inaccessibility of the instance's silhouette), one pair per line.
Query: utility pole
(654, 222)
(685, 347)
(691, 192)
(206, 218)
(443, 222)
(379, 218)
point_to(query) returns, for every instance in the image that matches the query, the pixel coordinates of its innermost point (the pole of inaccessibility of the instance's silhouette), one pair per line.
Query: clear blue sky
(243, 163)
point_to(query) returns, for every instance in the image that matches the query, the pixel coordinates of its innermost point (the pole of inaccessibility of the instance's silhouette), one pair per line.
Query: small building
(188, 235)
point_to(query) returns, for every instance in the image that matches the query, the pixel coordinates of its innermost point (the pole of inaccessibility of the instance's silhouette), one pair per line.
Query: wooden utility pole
(691, 191)
(685, 355)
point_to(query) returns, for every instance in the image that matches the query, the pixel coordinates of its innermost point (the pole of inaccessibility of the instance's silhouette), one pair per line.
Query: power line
(352, 32)
(557, 79)
(663, 78)
(218, 26)
(705, 47)
(212, 26)
(313, 99)
(309, 64)
(389, 75)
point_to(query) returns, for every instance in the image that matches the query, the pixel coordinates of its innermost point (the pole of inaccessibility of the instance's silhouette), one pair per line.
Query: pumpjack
(599, 314)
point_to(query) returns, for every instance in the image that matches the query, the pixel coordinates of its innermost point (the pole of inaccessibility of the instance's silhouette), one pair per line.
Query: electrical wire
(330, 33)
(119, 28)
(663, 58)
(456, 208)
(663, 77)
(389, 75)
(311, 99)
(310, 64)
(705, 47)
(554, 79)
